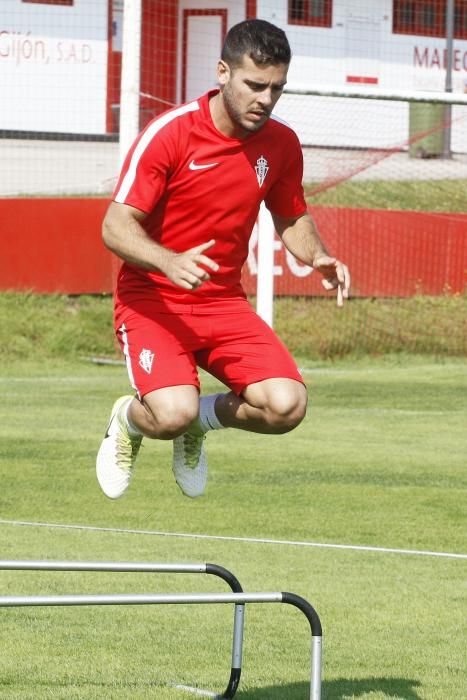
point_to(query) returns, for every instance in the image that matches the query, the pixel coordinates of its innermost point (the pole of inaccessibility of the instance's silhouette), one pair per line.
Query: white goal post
(130, 76)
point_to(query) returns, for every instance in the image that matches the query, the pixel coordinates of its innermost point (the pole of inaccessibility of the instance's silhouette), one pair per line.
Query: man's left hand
(336, 276)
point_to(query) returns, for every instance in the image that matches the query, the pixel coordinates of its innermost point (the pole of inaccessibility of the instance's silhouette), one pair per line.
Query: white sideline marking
(231, 538)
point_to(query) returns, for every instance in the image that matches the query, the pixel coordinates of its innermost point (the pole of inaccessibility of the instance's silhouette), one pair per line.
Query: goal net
(386, 185)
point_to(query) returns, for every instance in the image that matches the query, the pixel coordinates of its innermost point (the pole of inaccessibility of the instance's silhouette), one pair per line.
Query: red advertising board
(54, 245)
(389, 253)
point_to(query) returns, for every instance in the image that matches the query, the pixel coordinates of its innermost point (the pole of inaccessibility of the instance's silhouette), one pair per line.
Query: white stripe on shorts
(126, 352)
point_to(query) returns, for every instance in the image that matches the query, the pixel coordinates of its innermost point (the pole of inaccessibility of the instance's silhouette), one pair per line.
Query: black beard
(235, 114)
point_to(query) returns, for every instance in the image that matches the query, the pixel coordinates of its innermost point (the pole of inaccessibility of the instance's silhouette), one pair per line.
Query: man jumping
(181, 218)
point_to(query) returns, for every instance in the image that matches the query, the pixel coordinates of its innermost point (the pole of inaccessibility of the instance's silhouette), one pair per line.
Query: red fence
(54, 245)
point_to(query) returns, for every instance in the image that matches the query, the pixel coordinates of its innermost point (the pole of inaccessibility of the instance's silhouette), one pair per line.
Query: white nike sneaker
(116, 457)
(189, 465)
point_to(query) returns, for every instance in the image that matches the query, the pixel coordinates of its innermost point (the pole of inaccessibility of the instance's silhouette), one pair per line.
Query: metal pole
(21, 601)
(130, 80)
(316, 663)
(265, 278)
(450, 7)
(110, 566)
(372, 94)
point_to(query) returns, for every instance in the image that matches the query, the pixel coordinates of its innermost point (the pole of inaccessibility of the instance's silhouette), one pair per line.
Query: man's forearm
(301, 238)
(126, 237)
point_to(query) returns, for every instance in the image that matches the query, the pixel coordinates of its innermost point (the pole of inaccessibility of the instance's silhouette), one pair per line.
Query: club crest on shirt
(261, 168)
(146, 358)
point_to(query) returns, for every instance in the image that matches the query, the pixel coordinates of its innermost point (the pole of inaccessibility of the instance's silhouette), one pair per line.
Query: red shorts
(163, 345)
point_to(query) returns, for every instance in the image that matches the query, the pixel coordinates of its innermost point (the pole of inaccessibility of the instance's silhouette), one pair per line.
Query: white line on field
(231, 538)
(196, 691)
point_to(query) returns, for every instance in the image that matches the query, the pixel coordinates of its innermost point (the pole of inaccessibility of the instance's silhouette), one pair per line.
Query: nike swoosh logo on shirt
(193, 166)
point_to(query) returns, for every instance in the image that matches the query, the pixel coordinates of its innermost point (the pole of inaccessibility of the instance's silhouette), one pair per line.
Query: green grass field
(416, 195)
(379, 462)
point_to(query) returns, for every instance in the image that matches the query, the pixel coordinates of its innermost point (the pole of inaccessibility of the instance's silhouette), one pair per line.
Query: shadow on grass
(339, 689)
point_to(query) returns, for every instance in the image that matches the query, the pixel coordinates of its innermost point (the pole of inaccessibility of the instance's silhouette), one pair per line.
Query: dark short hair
(262, 41)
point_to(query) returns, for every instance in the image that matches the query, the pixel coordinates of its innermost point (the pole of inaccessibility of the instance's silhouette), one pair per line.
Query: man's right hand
(187, 270)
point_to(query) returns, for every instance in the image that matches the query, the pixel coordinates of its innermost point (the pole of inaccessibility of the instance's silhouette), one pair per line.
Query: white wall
(53, 66)
(328, 55)
(53, 69)
(361, 43)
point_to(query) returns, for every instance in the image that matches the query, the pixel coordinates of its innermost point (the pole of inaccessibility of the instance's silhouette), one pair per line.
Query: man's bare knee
(286, 412)
(166, 415)
(285, 407)
(167, 425)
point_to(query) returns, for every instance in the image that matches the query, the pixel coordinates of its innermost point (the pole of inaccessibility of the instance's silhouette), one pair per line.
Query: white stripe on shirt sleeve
(145, 140)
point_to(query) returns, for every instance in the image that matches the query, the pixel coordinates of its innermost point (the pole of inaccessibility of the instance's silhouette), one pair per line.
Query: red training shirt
(197, 184)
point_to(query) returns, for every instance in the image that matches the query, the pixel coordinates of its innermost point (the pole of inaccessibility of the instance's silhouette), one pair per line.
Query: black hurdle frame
(237, 597)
